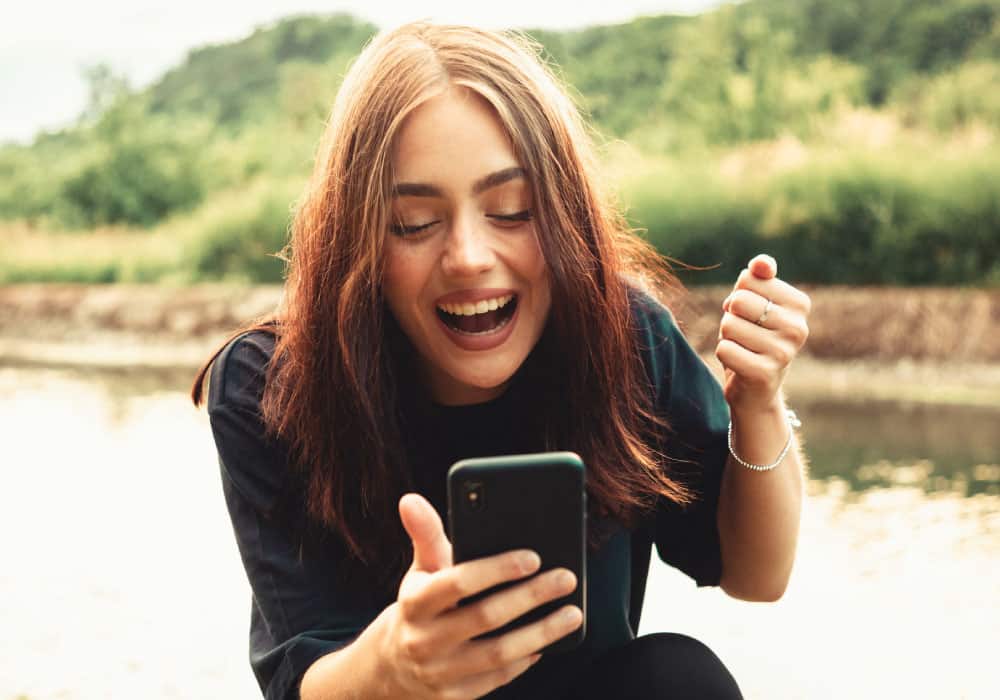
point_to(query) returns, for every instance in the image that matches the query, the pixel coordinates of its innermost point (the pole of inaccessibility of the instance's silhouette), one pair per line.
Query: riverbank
(924, 345)
(120, 485)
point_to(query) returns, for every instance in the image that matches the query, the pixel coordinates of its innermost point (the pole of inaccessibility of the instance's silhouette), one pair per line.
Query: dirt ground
(925, 344)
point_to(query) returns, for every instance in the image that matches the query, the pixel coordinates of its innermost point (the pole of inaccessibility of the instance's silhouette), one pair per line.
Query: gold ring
(763, 316)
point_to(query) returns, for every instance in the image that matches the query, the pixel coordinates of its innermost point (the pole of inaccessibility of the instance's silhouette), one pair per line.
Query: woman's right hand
(426, 641)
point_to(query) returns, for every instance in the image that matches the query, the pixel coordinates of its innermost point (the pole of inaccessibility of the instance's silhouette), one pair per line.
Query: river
(121, 577)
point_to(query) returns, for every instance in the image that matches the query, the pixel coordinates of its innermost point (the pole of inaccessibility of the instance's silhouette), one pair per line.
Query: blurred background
(151, 156)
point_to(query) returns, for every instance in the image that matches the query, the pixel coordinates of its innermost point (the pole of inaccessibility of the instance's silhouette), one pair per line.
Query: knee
(689, 667)
(663, 665)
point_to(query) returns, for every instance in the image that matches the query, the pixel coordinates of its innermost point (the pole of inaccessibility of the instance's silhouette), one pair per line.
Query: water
(121, 578)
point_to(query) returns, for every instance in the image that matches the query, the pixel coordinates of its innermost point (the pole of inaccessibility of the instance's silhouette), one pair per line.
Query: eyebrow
(419, 189)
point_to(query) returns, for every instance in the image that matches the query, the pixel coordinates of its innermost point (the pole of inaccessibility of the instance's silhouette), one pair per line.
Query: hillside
(684, 93)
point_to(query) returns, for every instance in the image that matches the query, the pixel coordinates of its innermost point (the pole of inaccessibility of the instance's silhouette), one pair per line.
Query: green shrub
(132, 184)
(953, 99)
(106, 272)
(698, 222)
(859, 222)
(241, 246)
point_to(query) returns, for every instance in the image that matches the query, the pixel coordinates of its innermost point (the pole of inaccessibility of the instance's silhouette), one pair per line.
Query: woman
(459, 287)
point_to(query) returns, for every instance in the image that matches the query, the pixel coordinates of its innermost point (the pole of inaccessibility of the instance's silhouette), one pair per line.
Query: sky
(44, 44)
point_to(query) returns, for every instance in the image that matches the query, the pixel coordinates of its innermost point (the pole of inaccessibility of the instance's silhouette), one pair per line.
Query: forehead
(452, 136)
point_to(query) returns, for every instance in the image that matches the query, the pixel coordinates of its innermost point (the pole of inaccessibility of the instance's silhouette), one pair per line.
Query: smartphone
(528, 501)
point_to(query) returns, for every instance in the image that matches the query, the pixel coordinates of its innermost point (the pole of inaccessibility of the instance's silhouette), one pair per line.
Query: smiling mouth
(483, 323)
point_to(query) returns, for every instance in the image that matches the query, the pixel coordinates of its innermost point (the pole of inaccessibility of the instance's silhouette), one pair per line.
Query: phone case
(531, 501)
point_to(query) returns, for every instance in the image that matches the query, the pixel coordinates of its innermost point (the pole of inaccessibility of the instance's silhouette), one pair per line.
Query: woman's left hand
(762, 330)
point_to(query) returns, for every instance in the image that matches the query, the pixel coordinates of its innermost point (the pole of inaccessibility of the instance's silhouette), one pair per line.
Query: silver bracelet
(793, 422)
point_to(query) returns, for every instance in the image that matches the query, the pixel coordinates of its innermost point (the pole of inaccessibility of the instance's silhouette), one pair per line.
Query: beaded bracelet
(793, 422)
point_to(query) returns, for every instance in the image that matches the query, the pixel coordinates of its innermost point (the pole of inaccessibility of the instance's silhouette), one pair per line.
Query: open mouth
(479, 319)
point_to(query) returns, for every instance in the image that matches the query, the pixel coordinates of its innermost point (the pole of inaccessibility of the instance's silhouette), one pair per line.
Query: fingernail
(529, 561)
(571, 615)
(565, 579)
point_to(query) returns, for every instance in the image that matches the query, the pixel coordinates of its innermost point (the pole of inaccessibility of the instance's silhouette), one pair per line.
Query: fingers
(480, 684)
(757, 370)
(773, 345)
(745, 306)
(445, 589)
(778, 291)
(496, 610)
(485, 655)
(763, 267)
(441, 649)
(431, 548)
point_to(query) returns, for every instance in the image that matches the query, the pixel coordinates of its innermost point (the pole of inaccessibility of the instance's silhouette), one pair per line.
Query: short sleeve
(300, 609)
(688, 395)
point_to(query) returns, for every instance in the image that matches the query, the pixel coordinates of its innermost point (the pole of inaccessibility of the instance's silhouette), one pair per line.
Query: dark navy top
(301, 610)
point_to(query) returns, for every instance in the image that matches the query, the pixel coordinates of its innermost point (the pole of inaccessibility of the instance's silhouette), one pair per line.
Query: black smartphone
(528, 501)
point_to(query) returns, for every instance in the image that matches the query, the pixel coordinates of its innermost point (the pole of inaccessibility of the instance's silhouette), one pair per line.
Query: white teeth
(480, 307)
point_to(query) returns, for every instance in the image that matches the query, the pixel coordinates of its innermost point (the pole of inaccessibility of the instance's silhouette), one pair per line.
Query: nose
(468, 251)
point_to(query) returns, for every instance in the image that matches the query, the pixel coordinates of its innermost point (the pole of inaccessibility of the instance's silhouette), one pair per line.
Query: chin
(486, 380)
(474, 387)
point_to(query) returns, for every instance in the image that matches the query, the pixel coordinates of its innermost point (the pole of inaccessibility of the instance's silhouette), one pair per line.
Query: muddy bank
(930, 346)
(875, 323)
(123, 325)
(937, 325)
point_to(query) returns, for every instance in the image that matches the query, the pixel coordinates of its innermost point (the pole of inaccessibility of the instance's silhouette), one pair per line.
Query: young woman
(459, 286)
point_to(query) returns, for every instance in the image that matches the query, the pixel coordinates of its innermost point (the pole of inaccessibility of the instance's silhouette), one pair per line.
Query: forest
(855, 141)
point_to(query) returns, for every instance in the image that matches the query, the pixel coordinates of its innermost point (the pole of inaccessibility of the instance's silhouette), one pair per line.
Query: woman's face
(464, 276)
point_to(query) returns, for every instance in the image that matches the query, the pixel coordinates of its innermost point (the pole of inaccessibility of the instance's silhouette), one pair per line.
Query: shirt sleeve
(690, 398)
(300, 608)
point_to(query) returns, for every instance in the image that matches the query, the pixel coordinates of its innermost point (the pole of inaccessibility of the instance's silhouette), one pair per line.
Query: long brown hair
(331, 387)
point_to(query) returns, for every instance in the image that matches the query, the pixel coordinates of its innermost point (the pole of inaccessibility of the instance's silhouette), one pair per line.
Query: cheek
(394, 285)
(401, 274)
(527, 252)
(536, 267)
(407, 273)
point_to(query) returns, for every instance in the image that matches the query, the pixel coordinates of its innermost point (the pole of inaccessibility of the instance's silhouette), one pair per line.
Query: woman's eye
(518, 217)
(402, 229)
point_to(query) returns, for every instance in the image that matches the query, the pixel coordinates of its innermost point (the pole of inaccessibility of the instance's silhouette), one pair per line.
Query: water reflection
(119, 559)
(883, 444)
(116, 389)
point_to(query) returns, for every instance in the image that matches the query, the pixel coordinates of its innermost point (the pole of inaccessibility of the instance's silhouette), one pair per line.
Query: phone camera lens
(475, 496)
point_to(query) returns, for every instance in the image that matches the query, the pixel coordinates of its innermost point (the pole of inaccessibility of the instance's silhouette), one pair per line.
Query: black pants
(668, 666)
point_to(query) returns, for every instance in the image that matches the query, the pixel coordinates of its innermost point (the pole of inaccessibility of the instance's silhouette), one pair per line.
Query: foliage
(890, 39)
(860, 220)
(957, 98)
(615, 70)
(243, 245)
(239, 82)
(182, 161)
(141, 170)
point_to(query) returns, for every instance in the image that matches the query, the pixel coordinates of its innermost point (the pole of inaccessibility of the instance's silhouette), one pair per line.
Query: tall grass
(914, 212)
(841, 217)
(234, 238)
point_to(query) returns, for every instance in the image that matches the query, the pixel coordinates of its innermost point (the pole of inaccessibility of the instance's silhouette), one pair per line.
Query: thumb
(431, 548)
(763, 267)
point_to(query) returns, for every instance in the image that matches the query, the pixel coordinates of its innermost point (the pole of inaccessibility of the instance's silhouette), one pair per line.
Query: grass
(843, 214)
(227, 239)
(869, 201)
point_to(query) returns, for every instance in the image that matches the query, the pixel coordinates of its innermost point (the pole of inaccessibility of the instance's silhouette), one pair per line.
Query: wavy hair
(331, 387)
